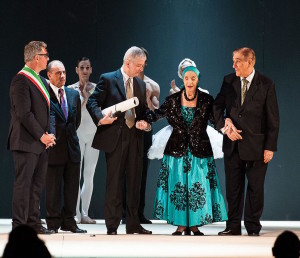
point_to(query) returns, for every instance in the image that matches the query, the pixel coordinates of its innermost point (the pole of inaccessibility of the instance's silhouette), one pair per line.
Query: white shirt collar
(249, 78)
(125, 78)
(55, 89)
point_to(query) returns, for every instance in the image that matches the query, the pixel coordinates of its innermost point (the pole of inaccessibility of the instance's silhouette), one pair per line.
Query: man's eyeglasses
(45, 55)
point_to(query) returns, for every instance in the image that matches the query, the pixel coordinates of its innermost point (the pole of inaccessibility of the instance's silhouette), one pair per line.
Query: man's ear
(76, 69)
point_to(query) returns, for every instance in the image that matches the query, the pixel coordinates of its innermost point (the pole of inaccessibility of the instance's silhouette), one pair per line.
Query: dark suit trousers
(60, 177)
(147, 145)
(124, 161)
(255, 171)
(30, 175)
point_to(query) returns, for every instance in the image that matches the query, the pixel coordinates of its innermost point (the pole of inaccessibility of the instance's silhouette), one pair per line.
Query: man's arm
(272, 119)
(95, 102)
(21, 106)
(78, 110)
(225, 125)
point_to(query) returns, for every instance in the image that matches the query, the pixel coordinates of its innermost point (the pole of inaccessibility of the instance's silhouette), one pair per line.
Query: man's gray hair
(134, 52)
(33, 48)
(51, 64)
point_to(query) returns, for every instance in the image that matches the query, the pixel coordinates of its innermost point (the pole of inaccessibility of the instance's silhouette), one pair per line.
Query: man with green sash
(28, 136)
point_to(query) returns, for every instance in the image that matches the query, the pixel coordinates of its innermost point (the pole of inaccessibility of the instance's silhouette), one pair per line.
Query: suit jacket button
(240, 116)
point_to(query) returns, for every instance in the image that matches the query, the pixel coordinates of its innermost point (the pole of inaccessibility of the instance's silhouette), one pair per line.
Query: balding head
(56, 73)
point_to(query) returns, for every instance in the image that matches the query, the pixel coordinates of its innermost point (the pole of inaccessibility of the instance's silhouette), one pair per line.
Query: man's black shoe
(112, 232)
(144, 220)
(139, 230)
(253, 234)
(44, 231)
(55, 230)
(73, 229)
(229, 232)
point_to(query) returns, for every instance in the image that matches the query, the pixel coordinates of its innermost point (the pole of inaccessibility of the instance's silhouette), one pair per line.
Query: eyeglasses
(45, 55)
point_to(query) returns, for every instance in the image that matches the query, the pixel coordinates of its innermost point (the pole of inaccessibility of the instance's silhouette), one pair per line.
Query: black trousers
(30, 175)
(62, 180)
(236, 170)
(147, 145)
(124, 162)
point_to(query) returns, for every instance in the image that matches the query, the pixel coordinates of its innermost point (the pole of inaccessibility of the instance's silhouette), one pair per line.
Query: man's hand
(268, 155)
(231, 131)
(107, 120)
(48, 140)
(142, 125)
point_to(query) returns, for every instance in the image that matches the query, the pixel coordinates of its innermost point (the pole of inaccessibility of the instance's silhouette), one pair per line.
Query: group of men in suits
(44, 143)
(47, 116)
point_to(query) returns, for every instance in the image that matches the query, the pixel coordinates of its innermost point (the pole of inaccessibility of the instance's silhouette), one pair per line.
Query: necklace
(186, 97)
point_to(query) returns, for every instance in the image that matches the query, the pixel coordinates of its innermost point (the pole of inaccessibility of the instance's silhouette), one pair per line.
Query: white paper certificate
(122, 106)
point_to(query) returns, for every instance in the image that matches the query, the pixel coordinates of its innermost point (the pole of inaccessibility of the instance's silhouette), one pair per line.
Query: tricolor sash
(36, 80)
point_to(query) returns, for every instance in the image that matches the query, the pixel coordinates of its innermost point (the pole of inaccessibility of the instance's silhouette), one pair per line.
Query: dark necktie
(244, 90)
(63, 103)
(130, 114)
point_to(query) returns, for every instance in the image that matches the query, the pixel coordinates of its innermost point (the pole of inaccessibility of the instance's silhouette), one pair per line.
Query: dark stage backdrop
(204, 30)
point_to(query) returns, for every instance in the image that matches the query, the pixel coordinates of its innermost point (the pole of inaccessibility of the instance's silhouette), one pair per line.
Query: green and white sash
(36, 80)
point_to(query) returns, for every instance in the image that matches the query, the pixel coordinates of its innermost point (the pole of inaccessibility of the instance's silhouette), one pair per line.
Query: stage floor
(161, 244)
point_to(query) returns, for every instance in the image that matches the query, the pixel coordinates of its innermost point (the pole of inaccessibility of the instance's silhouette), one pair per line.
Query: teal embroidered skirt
(188, 192)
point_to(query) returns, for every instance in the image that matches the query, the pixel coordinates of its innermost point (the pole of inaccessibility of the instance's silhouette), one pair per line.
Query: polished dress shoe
(144, 220)
(229, 232)
(87, 220)
(112, 232)
(44, 231)
(73, 229)
(253, 234)
(139, 230)
(55, 230)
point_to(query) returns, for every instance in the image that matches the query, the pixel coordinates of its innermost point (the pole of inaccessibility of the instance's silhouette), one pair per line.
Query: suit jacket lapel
(120, 83)
(69, 100)
(237, 88)
(47, 87)
(55, 105)
(252, 90)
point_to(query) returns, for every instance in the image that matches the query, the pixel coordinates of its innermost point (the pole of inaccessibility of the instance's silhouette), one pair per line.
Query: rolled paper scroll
(121, 107)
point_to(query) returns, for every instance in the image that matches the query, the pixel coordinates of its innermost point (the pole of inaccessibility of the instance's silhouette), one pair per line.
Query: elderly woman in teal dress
(188, 192)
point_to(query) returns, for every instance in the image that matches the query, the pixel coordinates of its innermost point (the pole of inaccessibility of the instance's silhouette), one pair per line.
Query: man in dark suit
(152, 98)
(64, 157)
(28, 136)
(121, 141)
(251, 125)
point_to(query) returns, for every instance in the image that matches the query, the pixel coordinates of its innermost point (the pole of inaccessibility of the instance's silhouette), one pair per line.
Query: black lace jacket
(183, 137)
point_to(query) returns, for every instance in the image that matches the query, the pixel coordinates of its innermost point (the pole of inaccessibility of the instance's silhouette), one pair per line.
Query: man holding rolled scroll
(121, 141)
